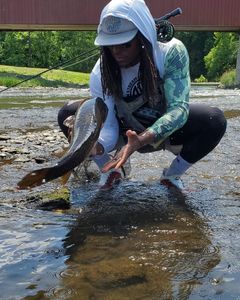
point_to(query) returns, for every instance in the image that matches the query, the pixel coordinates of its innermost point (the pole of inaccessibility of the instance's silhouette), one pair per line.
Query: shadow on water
(124, 245)
(138, 241)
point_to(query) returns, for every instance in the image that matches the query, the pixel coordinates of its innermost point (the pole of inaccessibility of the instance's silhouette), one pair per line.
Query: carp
(89, 120)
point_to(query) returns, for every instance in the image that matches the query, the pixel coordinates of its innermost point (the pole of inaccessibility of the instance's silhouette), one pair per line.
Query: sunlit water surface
(138, 241)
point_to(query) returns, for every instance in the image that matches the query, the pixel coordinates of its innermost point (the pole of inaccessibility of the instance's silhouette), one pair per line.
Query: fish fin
(33, 179)
(64, 179)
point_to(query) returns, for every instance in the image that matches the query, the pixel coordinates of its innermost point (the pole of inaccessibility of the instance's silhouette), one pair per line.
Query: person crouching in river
(146, 84)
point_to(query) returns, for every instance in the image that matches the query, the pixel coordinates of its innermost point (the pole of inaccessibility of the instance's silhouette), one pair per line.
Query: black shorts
(201, 133)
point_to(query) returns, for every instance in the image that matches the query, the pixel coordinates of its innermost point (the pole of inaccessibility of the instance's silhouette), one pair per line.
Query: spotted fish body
(89, 120)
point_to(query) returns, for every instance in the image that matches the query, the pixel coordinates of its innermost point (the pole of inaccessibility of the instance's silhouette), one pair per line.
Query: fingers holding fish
(117, 161)
(121, 157)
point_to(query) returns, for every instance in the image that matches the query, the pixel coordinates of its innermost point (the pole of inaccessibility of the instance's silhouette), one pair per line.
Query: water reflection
(30, 251)
(126, 246)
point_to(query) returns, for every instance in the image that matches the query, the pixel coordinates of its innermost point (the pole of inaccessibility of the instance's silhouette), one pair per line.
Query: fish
(89, 120)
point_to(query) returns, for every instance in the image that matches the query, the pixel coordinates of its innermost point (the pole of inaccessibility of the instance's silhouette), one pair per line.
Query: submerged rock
(56, 199)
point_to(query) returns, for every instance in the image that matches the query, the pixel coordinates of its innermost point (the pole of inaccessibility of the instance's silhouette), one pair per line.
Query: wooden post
(238, 64)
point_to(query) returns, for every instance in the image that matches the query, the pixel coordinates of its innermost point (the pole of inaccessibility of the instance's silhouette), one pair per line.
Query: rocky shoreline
(31, 145)
(25, 150)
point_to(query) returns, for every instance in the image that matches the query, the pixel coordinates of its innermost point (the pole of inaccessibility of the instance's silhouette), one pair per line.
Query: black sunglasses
(121, 46)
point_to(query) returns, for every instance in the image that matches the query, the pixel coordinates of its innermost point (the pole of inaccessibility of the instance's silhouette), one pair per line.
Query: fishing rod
(165, 32)
(165, 29)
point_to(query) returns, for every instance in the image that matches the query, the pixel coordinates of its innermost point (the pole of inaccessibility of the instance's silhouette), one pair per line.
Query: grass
(228, 79)
(10, 75)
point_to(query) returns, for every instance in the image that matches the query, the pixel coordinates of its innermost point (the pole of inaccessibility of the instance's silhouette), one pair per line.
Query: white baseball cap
(115, 31)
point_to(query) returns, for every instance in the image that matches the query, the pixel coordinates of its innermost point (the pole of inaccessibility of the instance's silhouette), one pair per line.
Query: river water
(139, 241)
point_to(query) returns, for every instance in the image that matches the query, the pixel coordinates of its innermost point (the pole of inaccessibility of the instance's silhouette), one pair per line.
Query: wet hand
(134, 143)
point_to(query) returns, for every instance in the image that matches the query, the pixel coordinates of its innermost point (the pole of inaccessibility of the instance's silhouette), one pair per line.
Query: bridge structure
(198, 15)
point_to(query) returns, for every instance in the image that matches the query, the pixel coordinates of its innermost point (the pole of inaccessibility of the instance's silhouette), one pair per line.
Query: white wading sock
(178, 167)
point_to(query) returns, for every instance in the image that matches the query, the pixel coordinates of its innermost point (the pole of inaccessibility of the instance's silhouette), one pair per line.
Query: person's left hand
(134, 143)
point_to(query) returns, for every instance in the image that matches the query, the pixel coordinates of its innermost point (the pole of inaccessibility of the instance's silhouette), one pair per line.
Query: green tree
(44, 49)
(14, 48)
(47, 48)
(75, 43)
(198, 45)
(223, 55)
(31, 49)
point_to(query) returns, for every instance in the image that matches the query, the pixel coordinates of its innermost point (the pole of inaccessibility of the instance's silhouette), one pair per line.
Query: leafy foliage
(198, 45)
(46, 48)
(211, 54)
(223, 55)
(200, 79)
(228, 79)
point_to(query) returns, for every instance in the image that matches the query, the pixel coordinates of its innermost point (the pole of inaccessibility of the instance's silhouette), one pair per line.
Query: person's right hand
(121, 157)
(134, 143)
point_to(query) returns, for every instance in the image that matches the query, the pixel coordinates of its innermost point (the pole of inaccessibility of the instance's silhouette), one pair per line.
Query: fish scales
(84, 125)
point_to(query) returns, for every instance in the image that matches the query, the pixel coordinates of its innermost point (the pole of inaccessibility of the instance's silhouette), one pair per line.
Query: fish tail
(33, 179)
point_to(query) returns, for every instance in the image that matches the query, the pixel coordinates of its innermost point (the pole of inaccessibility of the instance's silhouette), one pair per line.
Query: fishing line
(79, 61)
(55, 67)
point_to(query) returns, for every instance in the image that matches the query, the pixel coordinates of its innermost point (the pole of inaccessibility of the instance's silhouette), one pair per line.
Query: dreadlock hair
(148, 73)
(110, 74)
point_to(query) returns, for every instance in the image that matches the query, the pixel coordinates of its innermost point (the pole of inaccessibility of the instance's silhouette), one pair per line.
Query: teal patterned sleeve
(176, 88)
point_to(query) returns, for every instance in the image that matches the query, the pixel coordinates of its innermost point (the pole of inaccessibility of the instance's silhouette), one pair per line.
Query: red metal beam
(211, 15)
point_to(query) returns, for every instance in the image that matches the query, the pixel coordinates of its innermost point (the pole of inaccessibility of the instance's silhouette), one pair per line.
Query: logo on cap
(113, 24)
